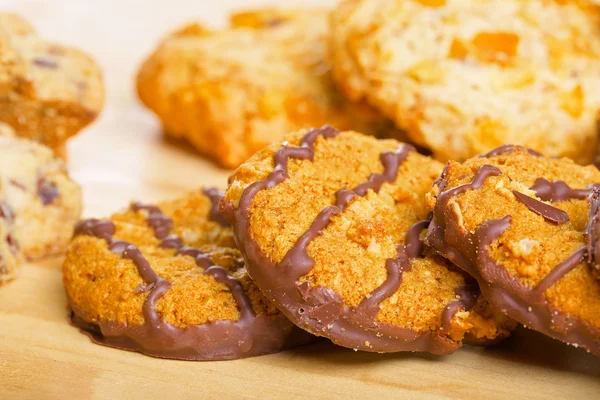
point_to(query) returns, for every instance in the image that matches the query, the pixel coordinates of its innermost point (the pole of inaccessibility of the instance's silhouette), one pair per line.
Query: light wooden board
(123, 157)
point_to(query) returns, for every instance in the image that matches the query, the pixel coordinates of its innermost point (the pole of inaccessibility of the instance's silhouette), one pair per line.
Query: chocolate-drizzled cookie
(520, 224)
(167, 281)
(330, 226)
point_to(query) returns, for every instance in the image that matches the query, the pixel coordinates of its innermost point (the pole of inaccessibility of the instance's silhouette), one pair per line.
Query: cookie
(330, 224)
(230, 93)
(35, 188)
(10, 257)
(463, 77)
(168, 281)
(519, 223)
(48, 92)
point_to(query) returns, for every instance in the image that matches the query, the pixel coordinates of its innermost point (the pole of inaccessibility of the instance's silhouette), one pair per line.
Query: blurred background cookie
(39, 203)
(462, 77)
(330, 225)
(48, 92)
(44, 202)
(518, 223)
(168, 281)
(231, 92)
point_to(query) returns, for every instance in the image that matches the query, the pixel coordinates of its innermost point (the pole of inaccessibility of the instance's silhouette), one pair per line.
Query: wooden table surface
(123, 157)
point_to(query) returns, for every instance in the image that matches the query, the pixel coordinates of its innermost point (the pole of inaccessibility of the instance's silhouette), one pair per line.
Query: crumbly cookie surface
(330, 225)
(45, 204)
(168, 281)
(231, 92)
(48, 92)
(519, 223)
(463, 77)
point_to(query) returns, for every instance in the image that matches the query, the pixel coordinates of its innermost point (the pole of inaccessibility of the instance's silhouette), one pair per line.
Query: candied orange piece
(432, 3)
(496, 47)
(572, 102)
(458, 50)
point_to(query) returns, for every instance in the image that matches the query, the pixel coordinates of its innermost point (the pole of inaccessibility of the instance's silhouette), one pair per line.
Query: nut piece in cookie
(230, 93)
(463, 77)
(168, 281)
(330, 224)
(519, 223)
(48, 92)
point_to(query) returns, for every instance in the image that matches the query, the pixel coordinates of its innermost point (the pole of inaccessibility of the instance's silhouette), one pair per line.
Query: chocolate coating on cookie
(215, 195)
(471, 249)
(593, 232)
(250, 335)
(319, 309)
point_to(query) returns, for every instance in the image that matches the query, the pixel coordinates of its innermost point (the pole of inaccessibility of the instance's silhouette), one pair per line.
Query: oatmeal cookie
(230, 93)
(463, 77)
(520, 224)
(168, 281)
(48, 92)
(44, 202)
(330, 225)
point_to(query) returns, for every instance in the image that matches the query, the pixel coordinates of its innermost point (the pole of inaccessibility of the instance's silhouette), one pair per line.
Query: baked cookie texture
(463, 77)
(330, 225)
(168, 281)
(44, 204)
(48, 92)
(231, 92)
(520, 224)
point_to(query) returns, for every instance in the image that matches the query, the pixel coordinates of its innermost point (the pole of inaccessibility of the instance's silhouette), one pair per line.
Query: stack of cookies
(363, 238)
(341, 220)
(357, 239)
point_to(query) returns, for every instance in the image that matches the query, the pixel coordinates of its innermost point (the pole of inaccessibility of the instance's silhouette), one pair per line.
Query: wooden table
(123, 157)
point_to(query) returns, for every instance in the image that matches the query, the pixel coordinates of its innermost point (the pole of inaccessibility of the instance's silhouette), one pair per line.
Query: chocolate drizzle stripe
(215, 195)
(317, 309)
(548, 212)
(560, 271)
(471, 252)
(467, 298)
(558, 191)
(217, 340)
(509, 148)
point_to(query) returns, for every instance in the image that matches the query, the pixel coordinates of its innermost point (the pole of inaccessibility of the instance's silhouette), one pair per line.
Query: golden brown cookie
(330, 225)
(168, 281)
(37, 191)
(463, 77)
(48, 92)
(518, 223)
(231, 92)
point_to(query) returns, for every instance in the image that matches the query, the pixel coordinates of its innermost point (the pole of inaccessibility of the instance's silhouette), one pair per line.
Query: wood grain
(124, 157)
